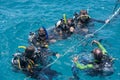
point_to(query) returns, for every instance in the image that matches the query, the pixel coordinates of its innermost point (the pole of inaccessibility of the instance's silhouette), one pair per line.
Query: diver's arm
(100, 46)
(54, 54)
(80, 66)
(100, 21)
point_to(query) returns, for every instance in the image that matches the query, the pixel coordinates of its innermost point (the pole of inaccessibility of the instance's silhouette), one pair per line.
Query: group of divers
(33, 60)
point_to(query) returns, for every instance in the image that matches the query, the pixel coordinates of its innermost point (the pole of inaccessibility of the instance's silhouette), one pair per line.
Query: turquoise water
(19, 17)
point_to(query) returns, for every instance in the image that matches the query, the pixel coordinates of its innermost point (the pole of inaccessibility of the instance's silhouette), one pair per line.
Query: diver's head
(30, 50)
(97, 53)
(84, 15)
(41, 30)
(83, 12)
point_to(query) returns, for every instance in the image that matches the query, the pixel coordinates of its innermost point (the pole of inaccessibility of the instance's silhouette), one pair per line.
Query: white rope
(116, 12)
(87, 36)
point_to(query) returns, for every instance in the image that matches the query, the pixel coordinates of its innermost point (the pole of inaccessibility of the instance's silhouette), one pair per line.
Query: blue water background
(19, 17)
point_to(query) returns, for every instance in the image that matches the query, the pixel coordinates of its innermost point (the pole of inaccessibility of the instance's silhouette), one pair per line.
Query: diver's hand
(75, 59)
(107, 21)
(46, 46)
(57, 55)
(52, 40)
(72, 29)
(94, 41)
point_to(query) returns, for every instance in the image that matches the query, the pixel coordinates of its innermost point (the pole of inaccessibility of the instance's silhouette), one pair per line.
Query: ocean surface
(19, 17)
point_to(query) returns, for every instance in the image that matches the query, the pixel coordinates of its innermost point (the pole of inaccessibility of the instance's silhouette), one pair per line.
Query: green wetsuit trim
(102, 48)
(80, 66)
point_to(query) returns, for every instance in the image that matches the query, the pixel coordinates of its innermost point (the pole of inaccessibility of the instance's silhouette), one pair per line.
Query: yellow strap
(29, 68)
(65, 19)
(31, 62)
(46, 46)
(87, 16)
(23, 47)
(19, 64)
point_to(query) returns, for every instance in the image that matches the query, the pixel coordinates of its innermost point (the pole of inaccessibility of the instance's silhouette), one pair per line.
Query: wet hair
(83, 12)
(97, 55)
(40, 29)
(29, 51)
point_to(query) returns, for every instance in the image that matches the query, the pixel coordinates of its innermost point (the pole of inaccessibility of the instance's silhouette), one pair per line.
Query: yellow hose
(65, 19)
(23, 47)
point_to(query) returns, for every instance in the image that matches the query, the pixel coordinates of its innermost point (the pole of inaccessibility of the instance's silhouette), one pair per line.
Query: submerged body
(32, 63)
(83, 22)
(39, 39)
(100, 65)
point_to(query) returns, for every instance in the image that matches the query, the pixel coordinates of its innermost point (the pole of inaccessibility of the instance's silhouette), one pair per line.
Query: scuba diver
(83, 20)
(61, 28)
(33, 56)
(100, 65)
(40, 39)
(64, 28)
(32, 61)
(24, 61)
(70, 23)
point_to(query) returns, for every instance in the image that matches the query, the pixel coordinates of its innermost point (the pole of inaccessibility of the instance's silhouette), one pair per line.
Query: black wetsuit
(40, 40)
(85, 23)
(99, 66)
(45, 56)
(62, 27)
(23, 62)
(41, 37)
(87, 20)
